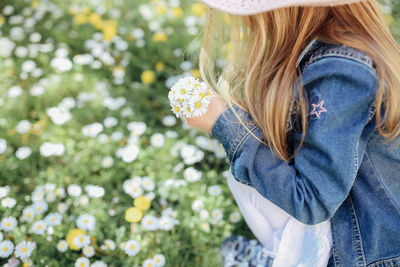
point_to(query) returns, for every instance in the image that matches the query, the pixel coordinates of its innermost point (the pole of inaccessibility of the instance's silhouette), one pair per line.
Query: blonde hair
(261, 52)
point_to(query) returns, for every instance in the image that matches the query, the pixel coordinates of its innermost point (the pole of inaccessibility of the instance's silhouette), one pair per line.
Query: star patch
(318, 109)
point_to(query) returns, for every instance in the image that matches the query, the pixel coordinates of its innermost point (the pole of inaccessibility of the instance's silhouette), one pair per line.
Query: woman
(309, 115)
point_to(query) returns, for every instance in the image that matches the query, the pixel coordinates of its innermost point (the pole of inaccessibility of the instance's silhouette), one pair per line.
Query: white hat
(249, 7)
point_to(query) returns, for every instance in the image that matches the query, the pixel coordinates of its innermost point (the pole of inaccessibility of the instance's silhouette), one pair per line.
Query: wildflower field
(95, 170)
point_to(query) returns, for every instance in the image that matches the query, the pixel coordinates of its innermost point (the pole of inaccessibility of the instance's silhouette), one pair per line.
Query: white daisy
(132, 247)
(109, 244)
(148, 183)
(92, 130)
(149, 263)
(159, 260)
(204, 214)
(74, 190)
(157, 140)
(39, 227)
(197, 205)
(28, 214)
(8, 224)
(14, 91)
(86, 222)
(3, 147)
(23, 126)
(216, 215)
(169, 121)
(192, 175)
(8, 202)
(107, 162)
(214, 190)
(53, 219)
(110, 122)
(166, 223)
(98, 264)
(88, 251)
(62, 245)
(40, 207)
(234, 217)
(136, 127)
(82, 262)
(205, 227)
(81, 241)
(62, 207)
(24, 250)
(38, 194)
(23, 152)
(132, 188)
(150, 222)
(6, 248)
(94, 191)
(4, 190)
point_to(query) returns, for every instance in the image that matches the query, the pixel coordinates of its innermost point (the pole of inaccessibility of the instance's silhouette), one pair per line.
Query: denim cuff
(230, 132)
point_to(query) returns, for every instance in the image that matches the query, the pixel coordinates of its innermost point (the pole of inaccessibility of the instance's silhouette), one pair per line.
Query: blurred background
(94, 168)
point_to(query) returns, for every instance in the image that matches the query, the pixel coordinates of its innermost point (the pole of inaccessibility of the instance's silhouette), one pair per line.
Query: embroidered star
(318, 109)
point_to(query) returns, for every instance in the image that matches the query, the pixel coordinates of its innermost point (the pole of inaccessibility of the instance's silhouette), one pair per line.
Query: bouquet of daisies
(189, 98)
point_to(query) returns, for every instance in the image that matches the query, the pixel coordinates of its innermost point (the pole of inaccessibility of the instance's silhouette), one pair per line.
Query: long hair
(260, 53)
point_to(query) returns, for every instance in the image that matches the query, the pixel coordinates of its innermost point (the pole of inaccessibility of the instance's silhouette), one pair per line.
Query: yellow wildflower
(35, 3)
(161, 9)
(142, 203)
(160, 37)
(96, 20)
(109, 29)
(389, 19)
(198, 9)
(2, 21)
(133, 215)
(196, 73)
(148, 77)
(80, 19)
(159, 66)
(177, 12)
(71, 236)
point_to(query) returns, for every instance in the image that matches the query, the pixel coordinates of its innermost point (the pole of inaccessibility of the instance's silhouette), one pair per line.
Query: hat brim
(250, 7)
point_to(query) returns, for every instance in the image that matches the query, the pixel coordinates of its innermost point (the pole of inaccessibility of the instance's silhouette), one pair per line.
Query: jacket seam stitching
(240, 142)
(356, 236)
(316, 57)
(336, 258)
(386, 261)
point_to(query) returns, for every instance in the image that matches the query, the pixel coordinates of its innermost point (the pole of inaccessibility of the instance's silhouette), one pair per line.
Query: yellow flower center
(197, 104)
(24, 249)
(85, 221)
(183, 91)
(53, 219)
(5, 249)
(132, 247)
(180, 100)
(8, 224)
(82, 264)
(176, 108)
(202, 95)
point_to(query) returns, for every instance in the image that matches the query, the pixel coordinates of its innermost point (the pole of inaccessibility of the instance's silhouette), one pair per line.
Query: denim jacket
(343, 172)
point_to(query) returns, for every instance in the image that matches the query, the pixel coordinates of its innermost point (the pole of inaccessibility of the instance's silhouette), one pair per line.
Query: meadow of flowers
(95, 170)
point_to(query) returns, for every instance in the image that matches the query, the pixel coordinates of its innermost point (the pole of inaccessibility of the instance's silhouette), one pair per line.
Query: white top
(292, 242)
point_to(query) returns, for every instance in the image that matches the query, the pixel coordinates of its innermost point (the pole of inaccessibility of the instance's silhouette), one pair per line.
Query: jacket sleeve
(313, 187)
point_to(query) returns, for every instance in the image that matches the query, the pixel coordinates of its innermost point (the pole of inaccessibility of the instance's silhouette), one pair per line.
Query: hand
(205, 122)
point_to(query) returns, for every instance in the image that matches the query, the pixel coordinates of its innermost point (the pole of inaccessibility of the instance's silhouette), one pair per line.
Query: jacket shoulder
(318, 49)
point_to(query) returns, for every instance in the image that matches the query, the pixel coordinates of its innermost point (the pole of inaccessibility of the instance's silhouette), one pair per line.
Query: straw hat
(248, 7)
